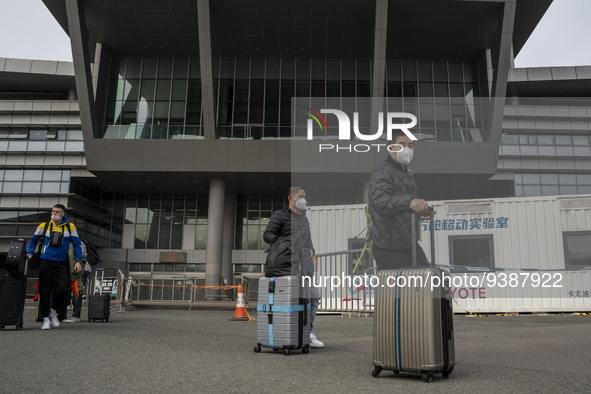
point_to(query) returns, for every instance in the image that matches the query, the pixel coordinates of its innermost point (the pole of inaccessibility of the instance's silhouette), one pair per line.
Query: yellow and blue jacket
(56, 253)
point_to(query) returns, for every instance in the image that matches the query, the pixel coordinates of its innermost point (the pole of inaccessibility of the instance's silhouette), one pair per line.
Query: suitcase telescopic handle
(413, 236)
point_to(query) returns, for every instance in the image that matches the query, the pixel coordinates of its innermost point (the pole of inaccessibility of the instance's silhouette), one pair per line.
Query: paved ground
(153, 350)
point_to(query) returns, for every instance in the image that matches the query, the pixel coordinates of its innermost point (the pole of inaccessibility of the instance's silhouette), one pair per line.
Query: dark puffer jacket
(391, 188)
(285, 224)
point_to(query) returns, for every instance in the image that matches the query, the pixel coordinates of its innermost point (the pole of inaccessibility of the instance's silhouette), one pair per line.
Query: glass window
(546, 139)
(577, 248)
(510, 150)
(564, 140)
(510, 139)
(8, 216)
(50, 187)
(529, 191)
(529, 150)
(567, 179)
(32, 187)
(564, 151)
(567, 190)
(549, 179)
(33, 175)
(11, 187)
(581, 139)
(547, 150)
(18, 145)
(582, 151)
(531, 179)
(52, 175)
(13, 175)
(584, 179)
(472, 250)
(247, 268)
(550, 190)
(38, 134)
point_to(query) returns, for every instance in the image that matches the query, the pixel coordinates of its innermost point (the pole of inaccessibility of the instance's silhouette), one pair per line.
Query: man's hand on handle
(421, 207)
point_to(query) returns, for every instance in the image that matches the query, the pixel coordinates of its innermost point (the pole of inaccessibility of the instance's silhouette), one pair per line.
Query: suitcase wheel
(306, 349)
(446, 374)
(2, 328)
(376, 372)
(257, 349)
(428, 377)
(286, 352)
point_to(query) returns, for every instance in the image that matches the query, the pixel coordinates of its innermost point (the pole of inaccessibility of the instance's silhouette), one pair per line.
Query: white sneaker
(46, 324)
(53, 318)
(72, 320)
(315, 343)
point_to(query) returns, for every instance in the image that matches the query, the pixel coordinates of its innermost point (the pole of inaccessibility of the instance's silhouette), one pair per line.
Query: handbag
(38, 251)
(278, 261)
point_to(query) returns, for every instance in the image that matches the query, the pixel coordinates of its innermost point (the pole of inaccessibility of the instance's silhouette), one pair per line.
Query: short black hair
(395, 134)
(293, 190)
(60, 206)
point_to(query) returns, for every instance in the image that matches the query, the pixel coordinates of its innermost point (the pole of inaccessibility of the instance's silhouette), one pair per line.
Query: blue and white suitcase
(283, 315)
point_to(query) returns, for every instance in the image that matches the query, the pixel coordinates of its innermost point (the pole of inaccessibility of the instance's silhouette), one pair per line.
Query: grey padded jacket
(391, 188)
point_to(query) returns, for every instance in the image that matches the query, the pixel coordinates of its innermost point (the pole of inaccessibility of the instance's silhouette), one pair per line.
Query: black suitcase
(16, 259)
(13, 287)
(99, 305)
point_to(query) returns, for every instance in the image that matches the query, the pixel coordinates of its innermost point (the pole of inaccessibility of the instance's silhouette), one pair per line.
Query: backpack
(92, 257)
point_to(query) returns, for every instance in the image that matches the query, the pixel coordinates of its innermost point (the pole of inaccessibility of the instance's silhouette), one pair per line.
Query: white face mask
(56, 217)
(301, 204)
(404, 156)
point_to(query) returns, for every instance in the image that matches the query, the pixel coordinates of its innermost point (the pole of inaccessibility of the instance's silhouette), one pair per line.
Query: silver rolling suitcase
(413, 325)
(283, 315)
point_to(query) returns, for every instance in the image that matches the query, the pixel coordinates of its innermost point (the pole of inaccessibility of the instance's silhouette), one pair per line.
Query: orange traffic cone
(240, 314)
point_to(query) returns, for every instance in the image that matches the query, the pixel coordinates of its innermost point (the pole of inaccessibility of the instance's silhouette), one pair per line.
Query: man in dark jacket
(392, 198)
(291, 223)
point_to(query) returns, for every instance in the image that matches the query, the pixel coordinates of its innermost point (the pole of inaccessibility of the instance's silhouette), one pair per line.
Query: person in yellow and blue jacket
(54, 268)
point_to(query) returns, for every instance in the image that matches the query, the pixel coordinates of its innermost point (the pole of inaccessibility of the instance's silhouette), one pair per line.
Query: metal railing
(343, 280)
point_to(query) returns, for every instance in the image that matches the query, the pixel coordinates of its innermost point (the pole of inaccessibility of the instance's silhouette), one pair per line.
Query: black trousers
(387, 259)
(53, 273)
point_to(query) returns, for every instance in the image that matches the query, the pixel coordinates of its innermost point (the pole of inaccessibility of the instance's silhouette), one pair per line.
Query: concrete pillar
(366, 192)
(378, 91)
(228, 238)
(215, 232)
(379, 49)
(206, 63)
(501, 72)
(81, 56)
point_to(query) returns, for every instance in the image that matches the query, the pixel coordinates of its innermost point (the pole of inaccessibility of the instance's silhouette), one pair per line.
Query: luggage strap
(270, 314)
(397, 352)
(287, 308)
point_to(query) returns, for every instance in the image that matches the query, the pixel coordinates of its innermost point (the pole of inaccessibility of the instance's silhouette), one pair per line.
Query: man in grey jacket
(392, 198)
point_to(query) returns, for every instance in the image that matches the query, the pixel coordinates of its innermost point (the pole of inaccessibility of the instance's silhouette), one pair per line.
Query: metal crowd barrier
(352, 293)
